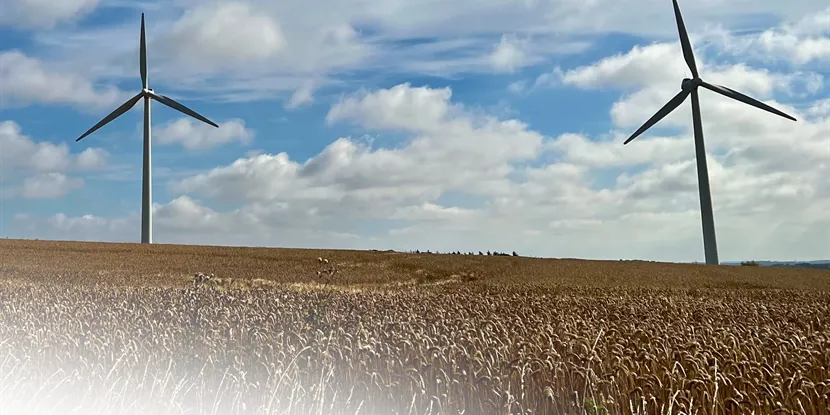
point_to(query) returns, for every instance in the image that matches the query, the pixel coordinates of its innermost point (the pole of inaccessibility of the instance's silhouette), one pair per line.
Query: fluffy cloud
(304, 95)
(800, 42)
(431, 212)
(182, 220)
(43, 13)
(21, 152)
(450, 149)
(761, 166)
(662, 65)
(64, 223)
(28, 80)
(92, 159)
(20, 155)
(49, 186)
(218, 35)
(742, 135)
(196, 135)
(261, 49)
(401, 106)
(508, 55)
(652, 75)
(247, 50)
(769, 189)
(598, 154)
(456, 178)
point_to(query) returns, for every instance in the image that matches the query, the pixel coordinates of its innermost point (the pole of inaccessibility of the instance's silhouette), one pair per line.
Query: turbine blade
(113, 115)
(666, 110)
(684, 40)
(143, 56)
(731, 93)
(170, 102)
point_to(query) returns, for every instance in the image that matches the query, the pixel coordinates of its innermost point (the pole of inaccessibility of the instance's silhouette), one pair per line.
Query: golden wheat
(727, 341)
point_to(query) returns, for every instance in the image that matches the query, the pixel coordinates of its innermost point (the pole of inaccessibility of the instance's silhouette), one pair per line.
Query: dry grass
(117, 328)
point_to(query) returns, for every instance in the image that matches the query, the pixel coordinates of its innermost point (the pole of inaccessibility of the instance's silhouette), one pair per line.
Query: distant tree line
(804, 265)
(493, 253)
(812, 265)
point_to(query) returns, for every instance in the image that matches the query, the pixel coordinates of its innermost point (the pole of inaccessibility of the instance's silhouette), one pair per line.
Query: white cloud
(83, 226)
(765, 169)
(820, 108)
(598, 154)
(804, 41)
(256, 49)
(801, 42)
(186, 214)
(768, 186)
(92, 159)
(224, 34)
(196, 135)
(750, 185)
(44, 163)
(27, 80)
(462, 179)
(748, 136)
(301, 96)
(652, 75)
(517, 87)
(433, 212)
(662, 65)
(18, 151)
(356, 179)
(49, 186)
(263, 49)
(179, 221)
(508, 55)
(661, 62)
(43, 13)
(402, 106)
(817, 23)
(233, 50)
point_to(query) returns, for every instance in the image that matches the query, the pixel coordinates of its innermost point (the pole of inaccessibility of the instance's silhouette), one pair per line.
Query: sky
(433, 125)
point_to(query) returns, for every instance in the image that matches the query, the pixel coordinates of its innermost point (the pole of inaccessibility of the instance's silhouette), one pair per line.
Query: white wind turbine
(689, 87)
(147, 94)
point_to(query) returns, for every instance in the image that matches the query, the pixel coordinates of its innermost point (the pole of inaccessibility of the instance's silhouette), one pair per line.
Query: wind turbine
(689, 87)
(147, 94)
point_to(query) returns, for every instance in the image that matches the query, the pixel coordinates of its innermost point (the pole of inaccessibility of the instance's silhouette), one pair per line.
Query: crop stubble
(478, 334)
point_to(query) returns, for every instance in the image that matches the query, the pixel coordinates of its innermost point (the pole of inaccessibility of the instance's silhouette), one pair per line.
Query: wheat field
(93, 328)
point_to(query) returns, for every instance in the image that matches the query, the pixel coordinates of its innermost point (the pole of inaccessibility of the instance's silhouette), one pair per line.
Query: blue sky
(494, 125)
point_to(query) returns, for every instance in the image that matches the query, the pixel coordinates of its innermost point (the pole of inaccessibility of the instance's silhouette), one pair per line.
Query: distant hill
(817, 264)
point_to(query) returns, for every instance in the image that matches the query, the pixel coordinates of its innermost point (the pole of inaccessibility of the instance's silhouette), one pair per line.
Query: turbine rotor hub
(688, 83)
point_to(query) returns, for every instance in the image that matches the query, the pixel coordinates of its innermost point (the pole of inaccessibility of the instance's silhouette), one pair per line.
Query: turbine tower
(690, 87)
(147, 94)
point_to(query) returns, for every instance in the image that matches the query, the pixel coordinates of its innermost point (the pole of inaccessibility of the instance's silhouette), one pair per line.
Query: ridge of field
(174, 265)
